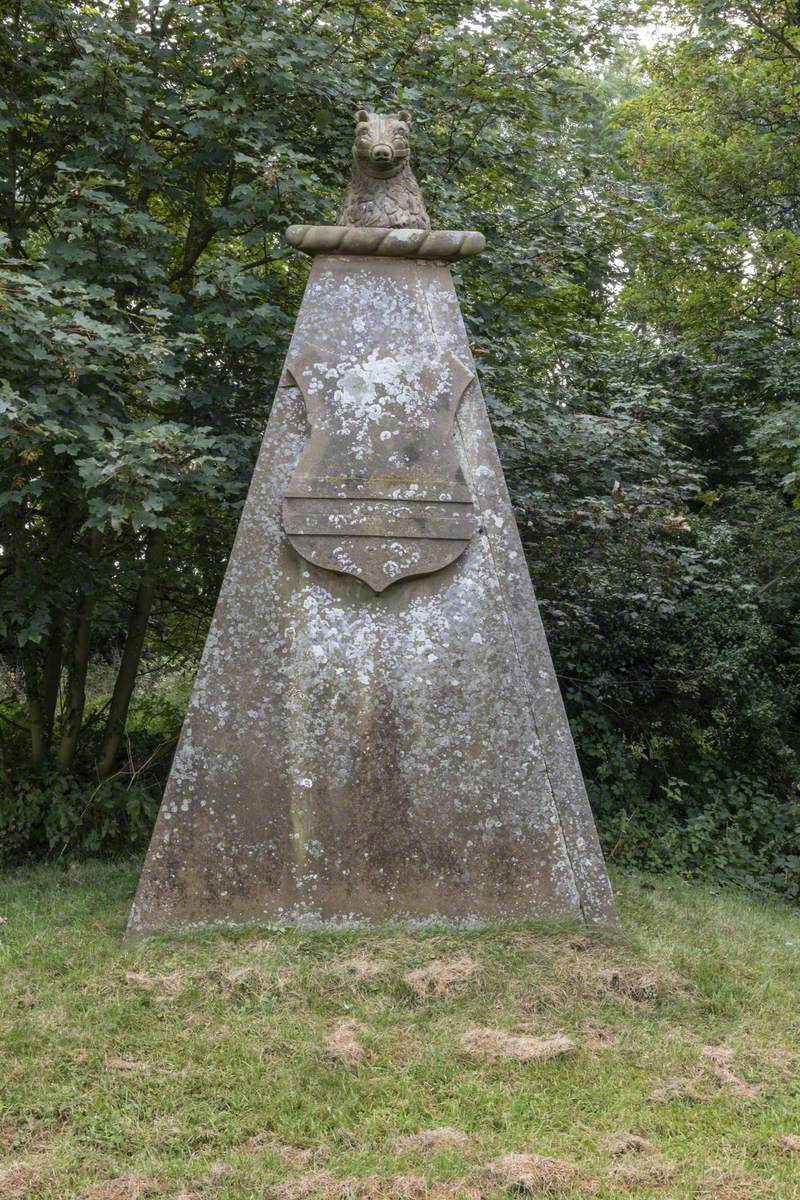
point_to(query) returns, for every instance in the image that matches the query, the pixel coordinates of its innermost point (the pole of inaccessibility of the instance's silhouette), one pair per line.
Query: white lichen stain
(315, 695)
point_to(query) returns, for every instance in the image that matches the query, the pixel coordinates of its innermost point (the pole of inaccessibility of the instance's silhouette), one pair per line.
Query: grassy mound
(418, 1066)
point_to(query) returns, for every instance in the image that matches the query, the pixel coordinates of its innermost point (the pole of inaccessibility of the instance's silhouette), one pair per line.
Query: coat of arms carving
(378, 491)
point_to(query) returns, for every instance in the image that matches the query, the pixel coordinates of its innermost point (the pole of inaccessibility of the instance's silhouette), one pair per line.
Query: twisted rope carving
(443, 244)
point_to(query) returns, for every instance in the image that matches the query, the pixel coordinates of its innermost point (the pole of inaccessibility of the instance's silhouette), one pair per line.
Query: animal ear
(404, 115)
(362, 115)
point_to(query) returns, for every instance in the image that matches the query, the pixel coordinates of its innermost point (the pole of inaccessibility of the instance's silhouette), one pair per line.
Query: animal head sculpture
(382, 191)
(381, 147)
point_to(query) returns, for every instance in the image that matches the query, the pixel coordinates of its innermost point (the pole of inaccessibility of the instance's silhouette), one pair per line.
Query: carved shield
(378, 491)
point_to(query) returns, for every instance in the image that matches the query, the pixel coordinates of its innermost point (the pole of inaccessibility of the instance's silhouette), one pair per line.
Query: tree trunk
(64, 522)
(36, 718)
(131, 655)
(78, 669)
(76, 690)
(31, 671)
(51, 672)
(199, 233)
(6, 774)
(11, 207)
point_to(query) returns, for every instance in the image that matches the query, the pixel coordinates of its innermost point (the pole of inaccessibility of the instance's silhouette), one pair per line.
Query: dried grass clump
(537, 1174)
(628, 1143)
(292, 1156)
(599, 1036)
(242, 983)
(442, 977)
(359, 969)
(647, 1171)
(679, 1089)
(217, 1172)
(456, 1189)
(720, 1059)
(317, 1184)
(629, 985)
(496, 1044)
(8, 1134)
(434, 1140)
(117, 1063)
(297, 1156)
(729, 1185)
(402, 1187)
(343, 1043)
(321, 1185)
(125, 1187)
(17, 1181)
(789, 1143)
(162, 986)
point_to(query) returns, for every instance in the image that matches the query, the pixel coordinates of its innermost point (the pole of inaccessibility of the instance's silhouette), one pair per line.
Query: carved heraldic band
(378, 491)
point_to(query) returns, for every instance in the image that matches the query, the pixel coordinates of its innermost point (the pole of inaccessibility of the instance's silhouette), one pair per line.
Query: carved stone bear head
(381, 147)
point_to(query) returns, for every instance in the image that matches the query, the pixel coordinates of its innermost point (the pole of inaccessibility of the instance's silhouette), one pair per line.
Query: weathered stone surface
(357, 755)
(378, 491)
(445, 245)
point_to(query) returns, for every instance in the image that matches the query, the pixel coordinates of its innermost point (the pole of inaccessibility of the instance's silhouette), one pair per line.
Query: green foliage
(53, 814)
(58, 815)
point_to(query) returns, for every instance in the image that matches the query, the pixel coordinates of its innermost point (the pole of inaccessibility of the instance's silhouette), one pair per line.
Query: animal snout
(382, 153)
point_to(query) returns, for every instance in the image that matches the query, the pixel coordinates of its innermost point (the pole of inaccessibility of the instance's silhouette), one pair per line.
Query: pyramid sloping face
(360, 755)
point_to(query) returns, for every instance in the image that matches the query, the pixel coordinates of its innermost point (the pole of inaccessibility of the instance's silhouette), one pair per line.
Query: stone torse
(376, 732)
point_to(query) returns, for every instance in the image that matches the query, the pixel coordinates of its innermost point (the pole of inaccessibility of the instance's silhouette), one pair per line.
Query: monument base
(357, 756)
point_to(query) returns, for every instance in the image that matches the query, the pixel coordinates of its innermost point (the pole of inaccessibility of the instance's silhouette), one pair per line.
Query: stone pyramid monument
(376, 732)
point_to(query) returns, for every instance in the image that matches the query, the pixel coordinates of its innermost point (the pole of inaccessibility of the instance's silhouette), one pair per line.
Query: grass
(203, 1067)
